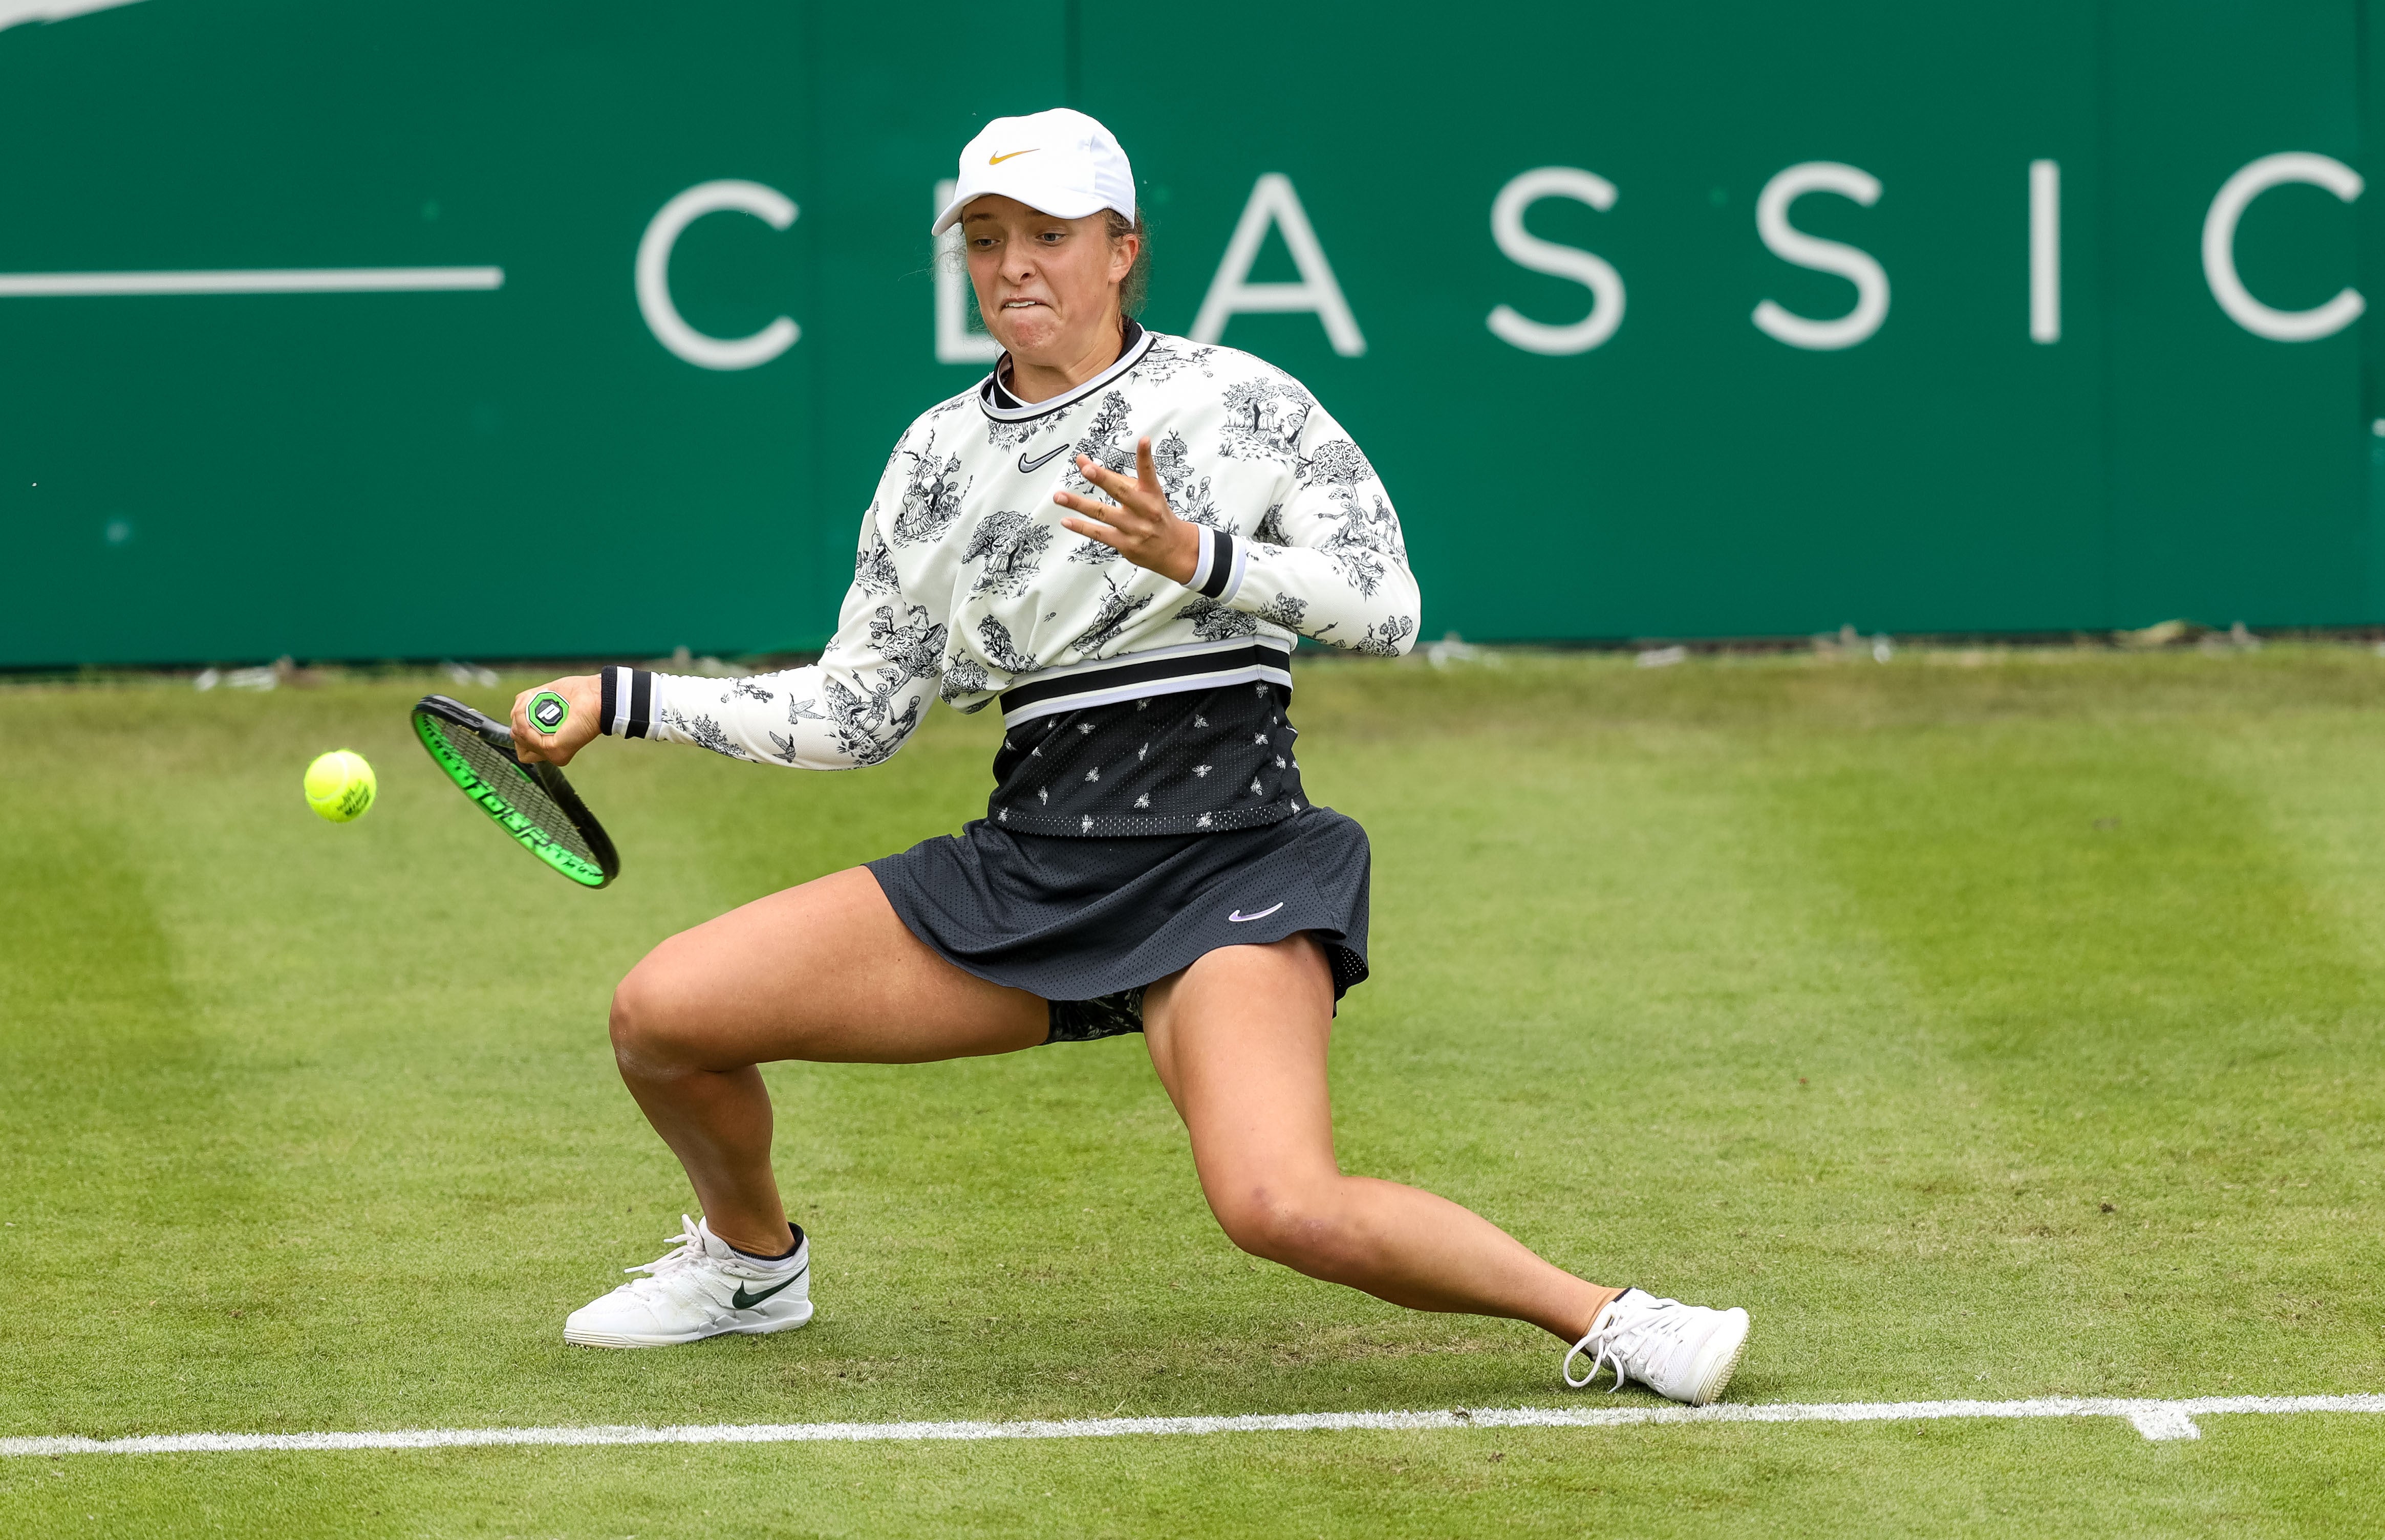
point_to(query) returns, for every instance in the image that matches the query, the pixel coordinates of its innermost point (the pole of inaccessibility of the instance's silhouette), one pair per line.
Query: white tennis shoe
(702, 1288)
(1687, 1352)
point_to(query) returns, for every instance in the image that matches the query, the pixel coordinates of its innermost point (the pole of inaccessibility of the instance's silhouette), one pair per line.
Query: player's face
(1045, 285)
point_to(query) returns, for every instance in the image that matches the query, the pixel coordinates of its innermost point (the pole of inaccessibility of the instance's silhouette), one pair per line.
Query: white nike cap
(1061, 161)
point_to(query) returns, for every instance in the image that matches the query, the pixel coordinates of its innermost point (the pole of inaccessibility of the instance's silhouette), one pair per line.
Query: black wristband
(628, 706)
(1220, 565)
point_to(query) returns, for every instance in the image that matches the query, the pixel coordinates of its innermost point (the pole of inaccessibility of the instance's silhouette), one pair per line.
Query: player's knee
(1301, 1227)
(643, 1023)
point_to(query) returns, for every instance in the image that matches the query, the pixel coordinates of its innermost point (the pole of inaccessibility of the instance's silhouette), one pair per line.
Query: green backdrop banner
(536, 329)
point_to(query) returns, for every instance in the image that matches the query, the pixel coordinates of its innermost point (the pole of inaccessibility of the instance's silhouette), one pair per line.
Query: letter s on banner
(2236, 194)
(1790, 244)
(765, 204)
(1527, 250)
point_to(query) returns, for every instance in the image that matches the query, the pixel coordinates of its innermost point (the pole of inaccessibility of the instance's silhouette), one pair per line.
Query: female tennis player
(1117, 537)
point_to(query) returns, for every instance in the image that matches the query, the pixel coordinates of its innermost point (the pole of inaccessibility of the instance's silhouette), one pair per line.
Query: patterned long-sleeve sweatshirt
(1131, 703)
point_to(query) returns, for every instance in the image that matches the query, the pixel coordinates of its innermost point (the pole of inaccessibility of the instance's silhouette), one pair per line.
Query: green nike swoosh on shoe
(741, 1301)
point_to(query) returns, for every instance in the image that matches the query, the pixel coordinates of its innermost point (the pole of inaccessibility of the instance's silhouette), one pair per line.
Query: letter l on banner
(957, 341)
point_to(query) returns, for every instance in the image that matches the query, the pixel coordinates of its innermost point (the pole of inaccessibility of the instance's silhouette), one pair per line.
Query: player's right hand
(586, 694)
(1140, 525)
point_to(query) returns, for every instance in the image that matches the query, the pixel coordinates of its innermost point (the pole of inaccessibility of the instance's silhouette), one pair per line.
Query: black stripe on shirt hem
(1158, 671)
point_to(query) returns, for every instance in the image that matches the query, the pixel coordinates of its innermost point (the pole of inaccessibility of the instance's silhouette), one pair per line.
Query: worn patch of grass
(1853, 994)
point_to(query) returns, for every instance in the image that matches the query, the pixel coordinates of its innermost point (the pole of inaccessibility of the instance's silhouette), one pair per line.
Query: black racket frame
(493, 800)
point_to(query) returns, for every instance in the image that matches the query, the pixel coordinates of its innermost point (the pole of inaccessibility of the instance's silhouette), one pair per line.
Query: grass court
(1992, 1025)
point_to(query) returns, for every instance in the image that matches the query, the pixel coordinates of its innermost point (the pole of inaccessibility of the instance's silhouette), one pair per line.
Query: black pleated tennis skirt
(1088, 923)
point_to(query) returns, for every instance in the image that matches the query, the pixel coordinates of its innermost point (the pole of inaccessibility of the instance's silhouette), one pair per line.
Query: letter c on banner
(765, 204)
(2236, 194)
(1792, 244)
(1527, 250)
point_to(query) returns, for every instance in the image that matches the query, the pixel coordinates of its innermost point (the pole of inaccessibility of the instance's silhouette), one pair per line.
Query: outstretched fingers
(1096, 525)
(1140, 525)
(1127, 509)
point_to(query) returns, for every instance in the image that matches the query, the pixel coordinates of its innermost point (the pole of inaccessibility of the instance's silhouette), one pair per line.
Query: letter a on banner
(1273, 202)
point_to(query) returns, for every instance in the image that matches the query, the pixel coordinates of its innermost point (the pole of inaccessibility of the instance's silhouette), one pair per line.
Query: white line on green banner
(262, 281)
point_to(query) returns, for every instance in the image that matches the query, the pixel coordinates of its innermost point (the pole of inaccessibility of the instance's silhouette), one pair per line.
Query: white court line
(2159, 1420)
(267, 281)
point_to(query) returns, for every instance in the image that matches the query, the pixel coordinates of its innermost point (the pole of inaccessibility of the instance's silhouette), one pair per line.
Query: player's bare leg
(1239, 1040)
(825, 972)
(821, 971)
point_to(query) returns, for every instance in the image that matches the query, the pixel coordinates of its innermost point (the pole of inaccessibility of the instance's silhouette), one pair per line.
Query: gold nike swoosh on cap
(996, 160)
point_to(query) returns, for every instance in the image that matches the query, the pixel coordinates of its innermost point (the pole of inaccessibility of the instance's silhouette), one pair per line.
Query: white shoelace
(1660, 1320)
(687, 1251)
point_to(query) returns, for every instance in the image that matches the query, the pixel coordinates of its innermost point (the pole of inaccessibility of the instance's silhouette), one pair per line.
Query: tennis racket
(530, 802)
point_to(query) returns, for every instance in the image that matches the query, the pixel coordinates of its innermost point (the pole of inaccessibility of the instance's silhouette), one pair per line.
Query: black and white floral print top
(966, 586)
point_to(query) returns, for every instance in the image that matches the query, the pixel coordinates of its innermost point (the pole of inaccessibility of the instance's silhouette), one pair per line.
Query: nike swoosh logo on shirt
(741, 1301)
(1237, 916)
(1028, 466)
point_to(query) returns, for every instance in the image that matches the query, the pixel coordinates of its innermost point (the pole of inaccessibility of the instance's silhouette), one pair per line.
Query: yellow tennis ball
(340, 785)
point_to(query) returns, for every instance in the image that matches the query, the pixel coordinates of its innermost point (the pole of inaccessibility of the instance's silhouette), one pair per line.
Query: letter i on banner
(2044, 251)
(956, 341)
